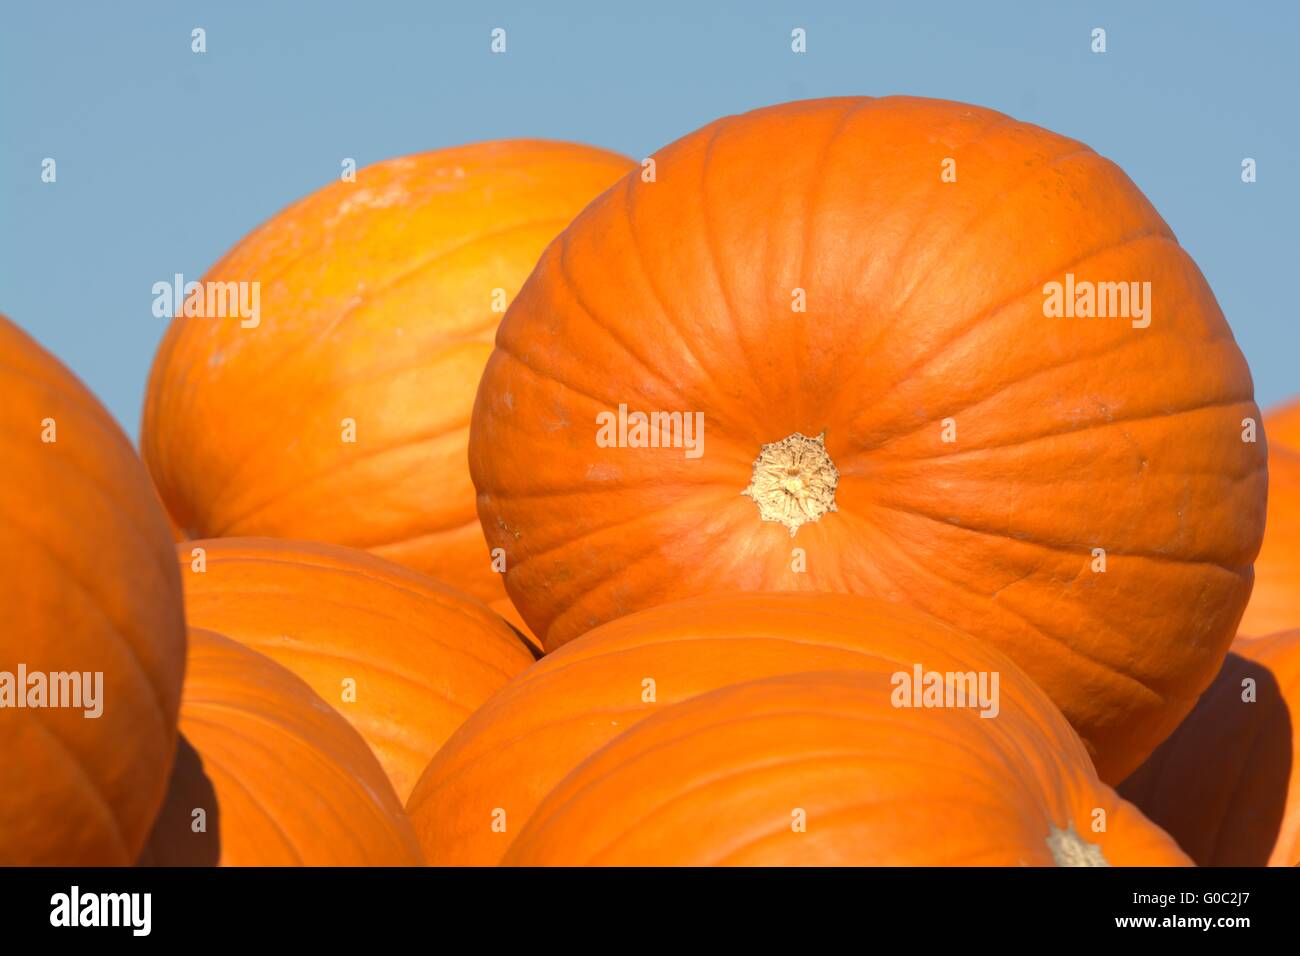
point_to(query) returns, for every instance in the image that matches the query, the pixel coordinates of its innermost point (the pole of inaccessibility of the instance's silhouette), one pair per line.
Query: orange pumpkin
(340, 411)
(269, 775)
(90, 592)
(803, 359)
(485, 782)
(1275, 601)
(1226, 785)
(404, 658)
(507, 610)
(824, 769)
(1283, 425)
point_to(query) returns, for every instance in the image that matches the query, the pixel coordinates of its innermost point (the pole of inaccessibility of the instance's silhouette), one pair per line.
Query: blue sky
(166, 158)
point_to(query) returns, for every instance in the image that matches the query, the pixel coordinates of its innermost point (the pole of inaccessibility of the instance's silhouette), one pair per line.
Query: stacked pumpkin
(835, 547)
(1226, 784)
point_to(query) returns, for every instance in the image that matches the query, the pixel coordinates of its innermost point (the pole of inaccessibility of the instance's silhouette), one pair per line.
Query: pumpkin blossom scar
(794, 481)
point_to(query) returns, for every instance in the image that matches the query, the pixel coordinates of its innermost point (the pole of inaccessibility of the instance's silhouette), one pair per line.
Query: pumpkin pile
(750, 505)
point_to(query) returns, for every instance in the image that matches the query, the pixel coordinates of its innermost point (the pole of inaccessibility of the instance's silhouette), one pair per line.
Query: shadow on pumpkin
(174, 841)
(1218, 785)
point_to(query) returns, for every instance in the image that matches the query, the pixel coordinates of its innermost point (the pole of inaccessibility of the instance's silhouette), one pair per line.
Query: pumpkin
(506, 609)
(1275, 601)
(792, 355)
(404, 658)
(90, 592)
(1226, 785)
(1283, 426)
(270, 775)
(485, 782)
(340, 411)
(825, 769)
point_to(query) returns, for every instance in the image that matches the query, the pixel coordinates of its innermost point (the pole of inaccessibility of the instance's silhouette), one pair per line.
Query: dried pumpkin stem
(794, 481)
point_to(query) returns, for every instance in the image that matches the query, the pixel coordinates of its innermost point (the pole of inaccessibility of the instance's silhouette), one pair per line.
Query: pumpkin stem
(794, 481)
(1070, 849)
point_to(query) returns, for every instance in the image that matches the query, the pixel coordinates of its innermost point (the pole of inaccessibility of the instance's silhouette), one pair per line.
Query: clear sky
(166, 158)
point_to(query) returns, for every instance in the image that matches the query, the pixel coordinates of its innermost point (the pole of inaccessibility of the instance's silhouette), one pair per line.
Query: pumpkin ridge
(211, 763)
(115, 627)
(431, 636)
(848, 808)
(302, 559)
(314, 203)
(503, 347)
(371, 376)
(566, 280)
(406, 274)
(73, 396)
(389, 670)
(1089, 426)
(1024, 182)
(605, 652)
(444, 779)
(1117, 346)
(731, 776)
(661, 303)
(643, 516)
(39, 720)
(399, 577)
(547, 728)
(647, 553)
(137, 530)
(711, 247)
(937, 732)
(417, 534)
(377, 374)
(371, 295)
(905, 244)
(408, 442)
(817, 186)
(1063, 548)
(322, 759)
(603, 487)
(1108, 669)
(93, 478)
(965, 328)
(904, 465)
